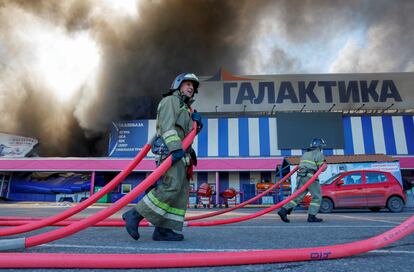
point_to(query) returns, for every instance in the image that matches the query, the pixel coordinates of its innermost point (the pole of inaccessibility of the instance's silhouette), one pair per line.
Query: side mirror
(340, 183)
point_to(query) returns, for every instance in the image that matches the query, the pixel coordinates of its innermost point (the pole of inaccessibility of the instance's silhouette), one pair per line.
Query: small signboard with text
(127, 138)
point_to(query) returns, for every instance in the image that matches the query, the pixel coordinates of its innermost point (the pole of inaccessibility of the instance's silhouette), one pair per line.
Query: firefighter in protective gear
(165, 205)
(309, 164)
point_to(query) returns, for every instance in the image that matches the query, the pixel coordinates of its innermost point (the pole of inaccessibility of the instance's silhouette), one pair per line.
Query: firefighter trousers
(165, 205)
(314, 189)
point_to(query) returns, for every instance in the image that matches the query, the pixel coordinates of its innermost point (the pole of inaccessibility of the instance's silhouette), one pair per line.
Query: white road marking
(368, 219)
(291, 226)
(393, 251)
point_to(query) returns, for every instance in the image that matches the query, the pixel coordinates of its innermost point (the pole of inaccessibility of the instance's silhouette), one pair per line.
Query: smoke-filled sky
(69, 68)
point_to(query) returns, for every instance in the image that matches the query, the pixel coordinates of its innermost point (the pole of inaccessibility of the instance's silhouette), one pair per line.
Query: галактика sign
(377, 91)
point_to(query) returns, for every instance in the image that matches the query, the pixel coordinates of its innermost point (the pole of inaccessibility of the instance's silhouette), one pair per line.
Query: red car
(361, 189)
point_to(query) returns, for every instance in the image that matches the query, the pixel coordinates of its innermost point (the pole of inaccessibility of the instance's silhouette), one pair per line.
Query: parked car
(361, 189)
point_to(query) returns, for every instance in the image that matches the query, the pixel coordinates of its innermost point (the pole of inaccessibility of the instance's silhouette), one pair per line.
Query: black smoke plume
(140, 57)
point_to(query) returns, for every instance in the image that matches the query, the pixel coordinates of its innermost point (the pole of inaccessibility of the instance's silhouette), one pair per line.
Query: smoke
(389, 43)
(69, 68)
(139, 56)
(317, 36)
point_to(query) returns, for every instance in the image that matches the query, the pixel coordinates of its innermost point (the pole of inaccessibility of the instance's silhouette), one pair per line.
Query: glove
(177, 155)
(197, 117)
(193, 156)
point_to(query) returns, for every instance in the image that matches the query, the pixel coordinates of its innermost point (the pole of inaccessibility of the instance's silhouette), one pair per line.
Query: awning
(114, 164)
(406, 162)
(204, 164)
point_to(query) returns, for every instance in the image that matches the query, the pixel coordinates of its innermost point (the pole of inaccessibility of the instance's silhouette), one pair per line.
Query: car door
(349, 191)
(376, 189)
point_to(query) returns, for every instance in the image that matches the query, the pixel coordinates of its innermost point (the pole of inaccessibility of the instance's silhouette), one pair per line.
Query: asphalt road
(266, 232)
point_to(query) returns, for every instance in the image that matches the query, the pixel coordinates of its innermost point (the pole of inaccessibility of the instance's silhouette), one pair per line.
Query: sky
(69, 68)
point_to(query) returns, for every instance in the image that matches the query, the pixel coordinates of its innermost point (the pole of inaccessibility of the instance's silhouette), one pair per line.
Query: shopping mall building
(251, 123)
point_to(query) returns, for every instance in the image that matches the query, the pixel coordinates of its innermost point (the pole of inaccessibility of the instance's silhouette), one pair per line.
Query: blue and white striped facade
(257, 137)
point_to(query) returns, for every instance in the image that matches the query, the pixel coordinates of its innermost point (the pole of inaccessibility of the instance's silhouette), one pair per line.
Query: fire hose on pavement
(56, 260)
(230, 220)
(37, 224)
(238, 206)
(112, 261)
(6, 221)
(20, 243)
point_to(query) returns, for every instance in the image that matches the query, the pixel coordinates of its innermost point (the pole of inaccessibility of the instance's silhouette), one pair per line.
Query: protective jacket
(165, 205)
(310, 162)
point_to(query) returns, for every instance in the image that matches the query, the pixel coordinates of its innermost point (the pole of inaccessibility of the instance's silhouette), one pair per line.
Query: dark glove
(193, 157)
(177, 155)
(197, 117)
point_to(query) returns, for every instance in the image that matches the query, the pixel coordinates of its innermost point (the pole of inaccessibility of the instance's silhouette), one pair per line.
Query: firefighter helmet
(183, 77)
(317, 143)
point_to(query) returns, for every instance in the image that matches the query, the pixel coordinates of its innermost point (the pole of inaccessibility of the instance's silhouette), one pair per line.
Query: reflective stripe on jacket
(312, 160)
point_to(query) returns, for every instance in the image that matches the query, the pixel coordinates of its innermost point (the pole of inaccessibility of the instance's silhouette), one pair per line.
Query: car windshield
(330, 180)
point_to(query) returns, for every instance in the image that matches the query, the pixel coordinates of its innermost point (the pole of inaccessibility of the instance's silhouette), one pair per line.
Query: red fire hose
(201, 216)
(113, 261)
(62, 223)
(242, 218)
(190, 218)
(19, 243)
(259, 213)
(83, 205)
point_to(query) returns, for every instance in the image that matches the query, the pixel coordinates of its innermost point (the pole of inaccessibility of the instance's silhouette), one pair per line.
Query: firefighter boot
(313, 218)
(132, 219)
(164, 234)
(283, 215)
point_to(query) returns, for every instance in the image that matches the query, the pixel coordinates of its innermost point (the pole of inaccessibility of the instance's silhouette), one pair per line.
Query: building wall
(257, 137)
(237, 180)
(133, 179)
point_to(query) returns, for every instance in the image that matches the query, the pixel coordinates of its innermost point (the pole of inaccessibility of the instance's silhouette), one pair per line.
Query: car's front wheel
(395, 204)
(326, 206)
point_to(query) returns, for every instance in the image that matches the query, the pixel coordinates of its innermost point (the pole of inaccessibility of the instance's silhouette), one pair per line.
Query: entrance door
(5, 185)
